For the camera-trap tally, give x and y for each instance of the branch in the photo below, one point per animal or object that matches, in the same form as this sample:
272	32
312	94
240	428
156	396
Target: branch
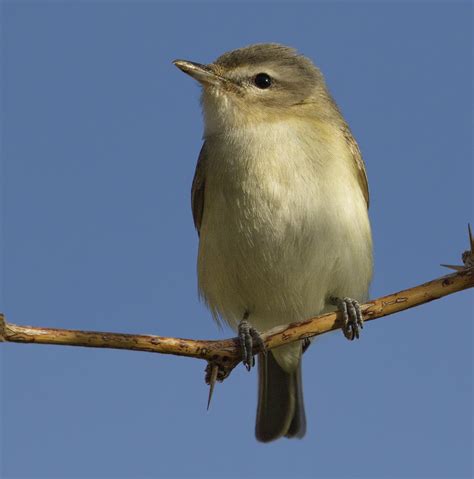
226	354
227	351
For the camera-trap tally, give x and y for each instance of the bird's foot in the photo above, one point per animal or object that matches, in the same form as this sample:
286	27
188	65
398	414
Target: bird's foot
353	322
249	337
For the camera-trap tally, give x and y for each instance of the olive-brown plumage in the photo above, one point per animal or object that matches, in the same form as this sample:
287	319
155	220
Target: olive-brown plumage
280	200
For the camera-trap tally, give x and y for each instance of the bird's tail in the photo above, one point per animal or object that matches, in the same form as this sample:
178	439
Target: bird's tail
280	410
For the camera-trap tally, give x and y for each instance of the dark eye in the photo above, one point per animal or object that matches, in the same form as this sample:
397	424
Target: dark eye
262	81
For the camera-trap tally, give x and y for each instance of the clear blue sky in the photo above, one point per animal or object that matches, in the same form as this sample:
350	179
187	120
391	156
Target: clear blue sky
100	133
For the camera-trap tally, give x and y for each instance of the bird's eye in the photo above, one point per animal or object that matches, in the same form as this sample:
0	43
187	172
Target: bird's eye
262	81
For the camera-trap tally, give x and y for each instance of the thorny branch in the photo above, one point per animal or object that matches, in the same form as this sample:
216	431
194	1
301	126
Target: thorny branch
224	355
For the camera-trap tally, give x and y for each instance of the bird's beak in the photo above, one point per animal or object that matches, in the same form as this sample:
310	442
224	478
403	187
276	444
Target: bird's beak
202	73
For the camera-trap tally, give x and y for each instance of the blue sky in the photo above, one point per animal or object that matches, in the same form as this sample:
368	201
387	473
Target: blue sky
100	133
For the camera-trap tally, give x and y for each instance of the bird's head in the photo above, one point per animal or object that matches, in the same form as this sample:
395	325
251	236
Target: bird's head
262	82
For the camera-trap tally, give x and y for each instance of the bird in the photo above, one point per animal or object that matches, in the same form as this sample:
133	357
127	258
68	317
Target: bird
280	202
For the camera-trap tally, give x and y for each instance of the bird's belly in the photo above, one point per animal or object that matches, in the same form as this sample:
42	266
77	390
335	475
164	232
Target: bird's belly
279	257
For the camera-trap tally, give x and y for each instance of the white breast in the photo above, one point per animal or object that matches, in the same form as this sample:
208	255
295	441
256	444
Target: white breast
285	225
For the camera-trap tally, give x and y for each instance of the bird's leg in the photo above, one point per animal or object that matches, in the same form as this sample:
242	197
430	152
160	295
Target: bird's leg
351	316
249	337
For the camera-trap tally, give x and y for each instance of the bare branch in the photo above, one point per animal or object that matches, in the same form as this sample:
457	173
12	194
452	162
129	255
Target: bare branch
226	353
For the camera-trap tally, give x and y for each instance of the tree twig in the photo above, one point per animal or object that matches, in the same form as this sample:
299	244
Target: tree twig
222	356
226	353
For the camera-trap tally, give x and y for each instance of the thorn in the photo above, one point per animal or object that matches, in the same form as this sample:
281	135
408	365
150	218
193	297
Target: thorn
453	266
467	256
212	382
471	239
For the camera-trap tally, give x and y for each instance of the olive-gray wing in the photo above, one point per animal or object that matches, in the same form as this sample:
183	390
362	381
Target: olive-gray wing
197	189
358	162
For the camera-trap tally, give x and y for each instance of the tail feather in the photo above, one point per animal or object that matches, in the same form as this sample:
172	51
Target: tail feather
280	409
298	424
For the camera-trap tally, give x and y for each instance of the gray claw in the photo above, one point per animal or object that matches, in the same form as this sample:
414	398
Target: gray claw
353	322
248	337
258	341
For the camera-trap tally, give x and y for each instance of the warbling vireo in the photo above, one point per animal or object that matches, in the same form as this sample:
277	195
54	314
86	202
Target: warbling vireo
279	200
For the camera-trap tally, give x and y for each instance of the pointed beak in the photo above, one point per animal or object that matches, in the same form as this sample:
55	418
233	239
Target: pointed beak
202	73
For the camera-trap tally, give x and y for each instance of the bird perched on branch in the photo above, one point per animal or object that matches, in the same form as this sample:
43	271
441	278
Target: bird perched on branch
280	201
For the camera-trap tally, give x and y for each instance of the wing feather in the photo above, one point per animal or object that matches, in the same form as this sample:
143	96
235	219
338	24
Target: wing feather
359	165
197	189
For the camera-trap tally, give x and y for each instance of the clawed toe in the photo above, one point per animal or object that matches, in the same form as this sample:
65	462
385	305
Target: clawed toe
249	337
353	322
